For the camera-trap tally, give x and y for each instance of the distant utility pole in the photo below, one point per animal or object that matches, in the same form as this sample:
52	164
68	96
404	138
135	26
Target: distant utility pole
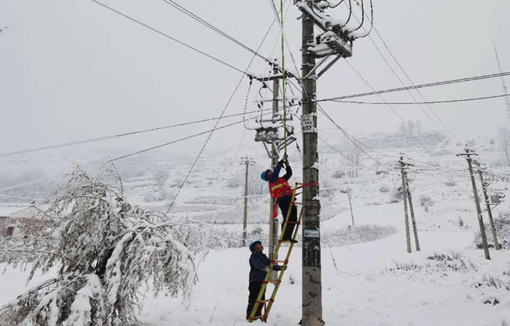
469	159
413	220
488	205
247	162
349	195
403	167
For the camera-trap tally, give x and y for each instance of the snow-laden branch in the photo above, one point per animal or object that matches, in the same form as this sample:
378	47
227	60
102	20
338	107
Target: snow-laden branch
105	249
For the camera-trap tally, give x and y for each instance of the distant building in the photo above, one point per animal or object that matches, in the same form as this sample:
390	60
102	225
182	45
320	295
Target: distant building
14	219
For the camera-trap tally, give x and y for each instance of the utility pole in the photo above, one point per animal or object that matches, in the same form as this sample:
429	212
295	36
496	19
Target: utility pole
247	162
413	220
489	209
349	195
404	197
273	222
469	160
312	277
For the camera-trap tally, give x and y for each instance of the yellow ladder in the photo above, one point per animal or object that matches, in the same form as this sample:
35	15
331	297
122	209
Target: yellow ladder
285	262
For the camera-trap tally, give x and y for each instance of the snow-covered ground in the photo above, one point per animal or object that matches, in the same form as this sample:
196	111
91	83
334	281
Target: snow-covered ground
368	279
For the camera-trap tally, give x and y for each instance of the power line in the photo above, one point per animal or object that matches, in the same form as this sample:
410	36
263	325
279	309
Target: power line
179	140
411	81
428	102
398	77
36	181
320	109
434	84
170	37
370	86
125	134
217	30
223	112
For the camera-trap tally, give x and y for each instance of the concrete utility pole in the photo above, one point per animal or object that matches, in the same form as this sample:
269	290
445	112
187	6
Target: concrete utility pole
273	222
312	278
413	220
247	162
404	197
489	210
349	195
469	159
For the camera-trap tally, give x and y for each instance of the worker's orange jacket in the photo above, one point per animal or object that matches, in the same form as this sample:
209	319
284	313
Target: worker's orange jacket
279	189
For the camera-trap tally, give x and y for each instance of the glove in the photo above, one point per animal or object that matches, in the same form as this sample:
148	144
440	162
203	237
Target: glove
279	268
267	269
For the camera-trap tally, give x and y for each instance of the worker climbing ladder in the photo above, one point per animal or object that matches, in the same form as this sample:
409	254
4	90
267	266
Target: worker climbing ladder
285	262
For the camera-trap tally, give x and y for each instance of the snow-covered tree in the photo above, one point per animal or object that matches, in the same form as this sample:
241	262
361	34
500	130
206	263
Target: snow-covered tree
104	250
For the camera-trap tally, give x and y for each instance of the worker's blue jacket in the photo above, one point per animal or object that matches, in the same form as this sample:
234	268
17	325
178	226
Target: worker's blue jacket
276	173
258	264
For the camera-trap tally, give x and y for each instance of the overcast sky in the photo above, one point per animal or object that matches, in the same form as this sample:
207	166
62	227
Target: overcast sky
72	70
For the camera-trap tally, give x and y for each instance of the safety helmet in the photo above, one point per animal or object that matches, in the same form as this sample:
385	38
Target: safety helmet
263	175
253	244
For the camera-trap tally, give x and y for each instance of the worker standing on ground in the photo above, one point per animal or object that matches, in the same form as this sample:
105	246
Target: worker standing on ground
259	266
281	192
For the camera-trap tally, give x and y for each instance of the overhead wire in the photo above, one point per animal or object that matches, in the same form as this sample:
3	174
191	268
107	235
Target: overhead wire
208	235
36	181
350	14
92	140
170	37
397	76
470	99
420	86
284	84
223	112
373	89
179	140
217	30
371	20
362	19
411	81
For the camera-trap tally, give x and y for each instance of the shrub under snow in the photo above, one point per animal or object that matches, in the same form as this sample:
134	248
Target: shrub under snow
105	250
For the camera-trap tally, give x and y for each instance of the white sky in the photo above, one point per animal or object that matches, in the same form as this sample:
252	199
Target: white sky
72	70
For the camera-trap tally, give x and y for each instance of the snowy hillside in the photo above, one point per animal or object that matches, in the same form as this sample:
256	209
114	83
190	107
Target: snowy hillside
368	277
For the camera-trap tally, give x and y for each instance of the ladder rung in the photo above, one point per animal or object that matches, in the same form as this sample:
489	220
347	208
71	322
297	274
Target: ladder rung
279	261
271	281
264	301
286	241
292	222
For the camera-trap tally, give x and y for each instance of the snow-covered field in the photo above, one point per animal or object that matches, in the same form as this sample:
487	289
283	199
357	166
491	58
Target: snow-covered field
368	276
